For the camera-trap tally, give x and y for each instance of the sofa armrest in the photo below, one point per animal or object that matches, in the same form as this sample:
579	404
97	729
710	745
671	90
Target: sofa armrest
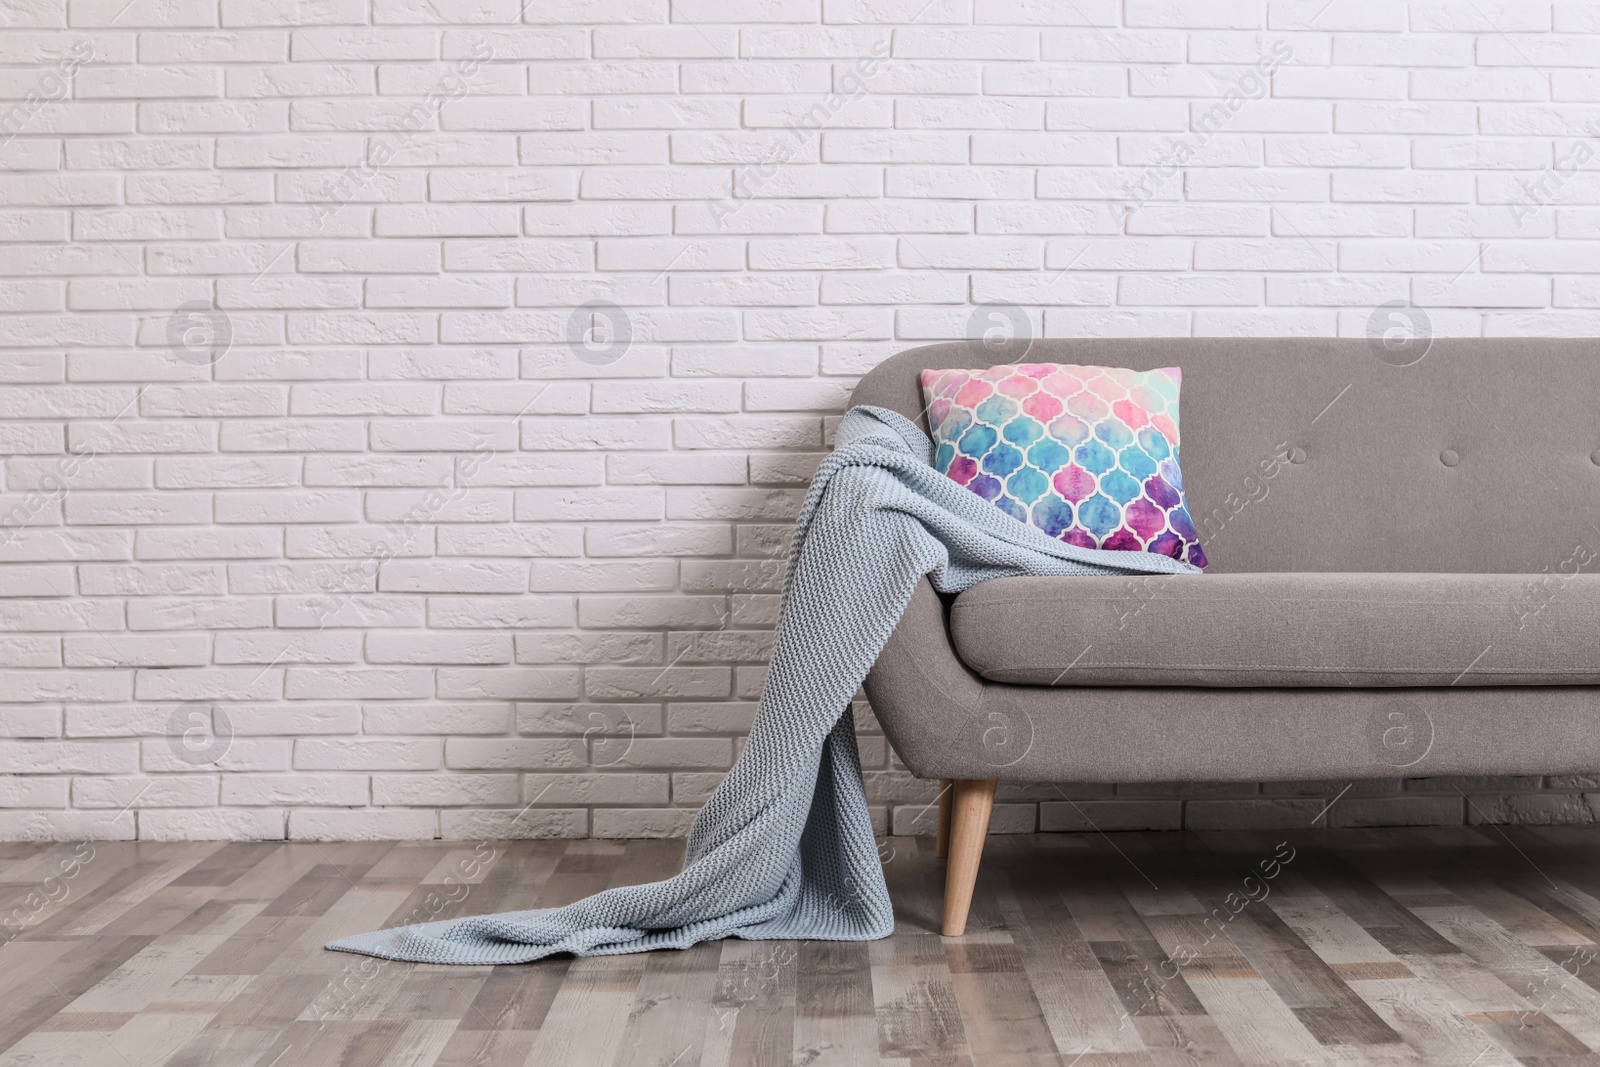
934	710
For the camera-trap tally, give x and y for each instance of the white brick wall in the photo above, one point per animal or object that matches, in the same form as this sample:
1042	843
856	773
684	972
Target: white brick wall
314	523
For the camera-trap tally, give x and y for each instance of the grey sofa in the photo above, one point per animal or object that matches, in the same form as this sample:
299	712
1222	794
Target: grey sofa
1401	584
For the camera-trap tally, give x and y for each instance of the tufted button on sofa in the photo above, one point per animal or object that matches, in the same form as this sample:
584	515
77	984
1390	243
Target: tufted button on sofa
1404	578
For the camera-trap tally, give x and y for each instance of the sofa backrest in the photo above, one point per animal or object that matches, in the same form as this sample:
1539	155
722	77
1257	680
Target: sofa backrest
1321	454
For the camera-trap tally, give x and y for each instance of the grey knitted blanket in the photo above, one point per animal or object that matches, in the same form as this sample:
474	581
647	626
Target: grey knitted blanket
784	848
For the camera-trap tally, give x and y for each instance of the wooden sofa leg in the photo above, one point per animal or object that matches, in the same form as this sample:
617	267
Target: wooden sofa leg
972	801
941	842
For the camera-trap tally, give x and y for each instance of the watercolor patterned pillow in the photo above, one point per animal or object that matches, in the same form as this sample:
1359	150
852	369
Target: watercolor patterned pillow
1087	454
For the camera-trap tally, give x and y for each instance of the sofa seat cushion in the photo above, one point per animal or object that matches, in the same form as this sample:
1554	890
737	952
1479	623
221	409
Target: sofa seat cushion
1283	629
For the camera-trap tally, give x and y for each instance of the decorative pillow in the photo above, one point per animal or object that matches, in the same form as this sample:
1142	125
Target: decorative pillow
1087	454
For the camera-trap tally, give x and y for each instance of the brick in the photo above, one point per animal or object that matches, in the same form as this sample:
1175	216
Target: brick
319	683
539	683
289	790
1117	115
521	541
371	754
39	792
1535	809
1042	148
1495	18
1225	14
1407	255
513	824
814	42
1395	118
607	788
1321	150
1412	187
1253	814
223	824
671	682
1221	220
311	824
1481	290
1396	811
68	757
67	826
1496	221
516	754
116	650
378	718
438	648
488	612
641	822
650	113
445	790
618	648
297	719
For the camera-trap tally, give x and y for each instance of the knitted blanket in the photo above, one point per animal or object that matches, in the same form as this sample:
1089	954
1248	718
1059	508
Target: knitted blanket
784	848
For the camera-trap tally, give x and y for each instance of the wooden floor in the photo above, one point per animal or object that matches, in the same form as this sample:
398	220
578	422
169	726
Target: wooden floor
1468	947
